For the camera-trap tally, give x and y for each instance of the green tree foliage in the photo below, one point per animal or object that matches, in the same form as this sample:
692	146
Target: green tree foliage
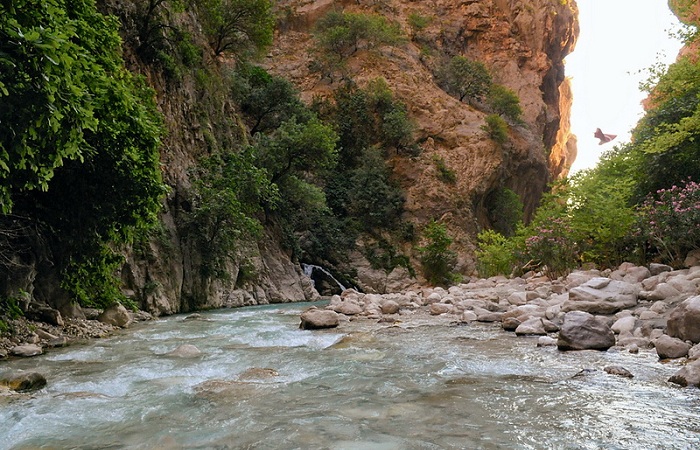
227	196
45	114
268	100
369	117
241	27
495	254
343	34
465	79
504	102
437	259
418	22
339	35
298	148
444	173
80	139
504	210
496	127
375	200
665	140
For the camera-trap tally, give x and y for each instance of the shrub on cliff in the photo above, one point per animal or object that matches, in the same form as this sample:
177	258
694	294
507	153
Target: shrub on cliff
505	102
464	79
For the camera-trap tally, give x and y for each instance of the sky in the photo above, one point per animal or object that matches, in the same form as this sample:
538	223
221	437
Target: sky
618	39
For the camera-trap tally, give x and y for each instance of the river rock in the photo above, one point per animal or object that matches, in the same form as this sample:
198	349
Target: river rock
440	308
624	324
468	316
258	373
46	315
602	296
655	268
670	347
546	341
115	315
619	371
694	352
389	307
24	382
661	291
349	308
185	351
26	350
689	375
583	331
534	326
314	319
510	323
684	321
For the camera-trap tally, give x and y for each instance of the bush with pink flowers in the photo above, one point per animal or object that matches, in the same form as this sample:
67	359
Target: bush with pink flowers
669	222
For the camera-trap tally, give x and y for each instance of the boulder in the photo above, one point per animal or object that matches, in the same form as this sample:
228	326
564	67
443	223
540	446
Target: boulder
684	321
115	315
258	374
583	331
314	319
661	291
670	347
26	350
689	375
510	323
624	324
439	308
619	371
185	351
24	382
468	316
655	268
546	341
46	315
602	296
349	308
390	307
534	326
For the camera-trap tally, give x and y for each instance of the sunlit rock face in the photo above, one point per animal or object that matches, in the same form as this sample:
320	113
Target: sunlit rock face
523	44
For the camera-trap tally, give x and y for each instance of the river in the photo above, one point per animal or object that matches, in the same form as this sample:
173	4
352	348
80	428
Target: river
417	384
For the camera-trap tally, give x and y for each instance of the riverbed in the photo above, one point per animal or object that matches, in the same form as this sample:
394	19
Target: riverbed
262	383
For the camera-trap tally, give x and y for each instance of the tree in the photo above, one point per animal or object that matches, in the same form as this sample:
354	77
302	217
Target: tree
240	26
269	101
80	138
228	193
465	79
436	257
298	147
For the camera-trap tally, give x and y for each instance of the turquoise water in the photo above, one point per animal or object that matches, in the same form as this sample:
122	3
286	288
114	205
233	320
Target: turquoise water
363	386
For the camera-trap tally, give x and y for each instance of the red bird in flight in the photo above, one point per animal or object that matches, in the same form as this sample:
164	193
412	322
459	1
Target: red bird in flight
604	138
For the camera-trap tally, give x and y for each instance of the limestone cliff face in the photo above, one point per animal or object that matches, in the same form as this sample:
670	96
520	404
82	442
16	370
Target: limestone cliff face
523	43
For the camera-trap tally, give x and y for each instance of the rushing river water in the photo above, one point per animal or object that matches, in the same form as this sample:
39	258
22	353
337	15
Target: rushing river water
376	387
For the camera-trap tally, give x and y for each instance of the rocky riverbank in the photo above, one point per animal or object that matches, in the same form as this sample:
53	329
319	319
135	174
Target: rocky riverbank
637	308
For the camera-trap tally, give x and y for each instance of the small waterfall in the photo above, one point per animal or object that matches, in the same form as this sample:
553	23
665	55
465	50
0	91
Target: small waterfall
309	270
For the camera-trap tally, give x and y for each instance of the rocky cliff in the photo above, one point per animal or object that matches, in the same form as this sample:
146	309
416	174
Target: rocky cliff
523	44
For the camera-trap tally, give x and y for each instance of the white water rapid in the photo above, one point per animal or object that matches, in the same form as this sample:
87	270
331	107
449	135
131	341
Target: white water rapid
362	386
